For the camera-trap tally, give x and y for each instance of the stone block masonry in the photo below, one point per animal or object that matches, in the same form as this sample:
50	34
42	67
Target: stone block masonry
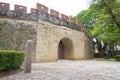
46	30
14	33
48	38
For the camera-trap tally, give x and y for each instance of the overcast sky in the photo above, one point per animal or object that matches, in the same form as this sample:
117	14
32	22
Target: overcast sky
68	7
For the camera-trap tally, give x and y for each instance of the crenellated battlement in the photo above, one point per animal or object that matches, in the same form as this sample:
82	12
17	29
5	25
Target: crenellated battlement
40	13
42	7
4	5
20	8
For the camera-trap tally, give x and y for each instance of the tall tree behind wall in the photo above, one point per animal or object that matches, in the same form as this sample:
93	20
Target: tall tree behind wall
102	21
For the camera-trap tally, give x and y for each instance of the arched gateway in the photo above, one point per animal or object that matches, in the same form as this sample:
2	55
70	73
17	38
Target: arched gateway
65	49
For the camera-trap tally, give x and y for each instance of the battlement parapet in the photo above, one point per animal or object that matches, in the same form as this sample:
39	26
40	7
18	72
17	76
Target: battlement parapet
40	13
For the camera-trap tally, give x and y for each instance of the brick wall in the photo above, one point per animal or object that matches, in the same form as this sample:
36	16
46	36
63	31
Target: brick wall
64	17
33	10
4	6
72	20
20	8
54	13
42	7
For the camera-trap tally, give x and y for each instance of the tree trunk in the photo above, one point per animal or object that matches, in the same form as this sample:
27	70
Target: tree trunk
112	50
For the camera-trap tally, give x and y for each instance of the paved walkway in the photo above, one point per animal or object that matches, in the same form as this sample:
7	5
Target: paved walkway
71	70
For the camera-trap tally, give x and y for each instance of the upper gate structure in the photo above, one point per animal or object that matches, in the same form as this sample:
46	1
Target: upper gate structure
55	35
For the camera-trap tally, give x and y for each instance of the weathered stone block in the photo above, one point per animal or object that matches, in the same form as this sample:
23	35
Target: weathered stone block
3	12
32	17
55	20
42	15
65	23
20	15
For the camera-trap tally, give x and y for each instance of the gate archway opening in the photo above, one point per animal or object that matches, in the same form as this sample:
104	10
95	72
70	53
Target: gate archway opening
65	49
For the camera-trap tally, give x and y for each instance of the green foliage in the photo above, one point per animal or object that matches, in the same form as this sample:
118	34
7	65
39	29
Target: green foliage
10	59
85	17
106	26
117	58
102	20
109	35
107	11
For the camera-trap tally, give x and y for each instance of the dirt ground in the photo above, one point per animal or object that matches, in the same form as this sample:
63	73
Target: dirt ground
70	70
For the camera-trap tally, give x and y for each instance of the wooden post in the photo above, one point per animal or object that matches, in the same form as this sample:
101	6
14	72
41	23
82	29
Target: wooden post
28	56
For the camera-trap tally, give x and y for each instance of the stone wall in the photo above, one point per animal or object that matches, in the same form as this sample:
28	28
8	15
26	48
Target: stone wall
14	33
88	48
45	29
48	38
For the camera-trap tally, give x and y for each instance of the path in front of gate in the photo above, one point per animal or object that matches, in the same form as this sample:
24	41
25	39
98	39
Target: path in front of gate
71	70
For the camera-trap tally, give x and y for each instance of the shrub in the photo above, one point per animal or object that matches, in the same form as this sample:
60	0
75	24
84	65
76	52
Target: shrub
11	59
117	57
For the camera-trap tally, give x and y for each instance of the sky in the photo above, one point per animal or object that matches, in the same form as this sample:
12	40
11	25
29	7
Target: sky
67	7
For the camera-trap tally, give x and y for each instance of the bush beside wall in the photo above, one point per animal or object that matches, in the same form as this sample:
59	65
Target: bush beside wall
117	58
11	59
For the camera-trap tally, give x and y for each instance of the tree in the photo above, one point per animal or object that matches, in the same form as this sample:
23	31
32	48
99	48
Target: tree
109	7
107	26
103	16
85	17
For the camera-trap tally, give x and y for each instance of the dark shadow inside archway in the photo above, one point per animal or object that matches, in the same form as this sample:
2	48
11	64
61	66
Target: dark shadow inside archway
65	49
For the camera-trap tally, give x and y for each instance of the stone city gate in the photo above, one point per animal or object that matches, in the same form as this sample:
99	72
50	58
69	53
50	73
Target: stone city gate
65	49
55	35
